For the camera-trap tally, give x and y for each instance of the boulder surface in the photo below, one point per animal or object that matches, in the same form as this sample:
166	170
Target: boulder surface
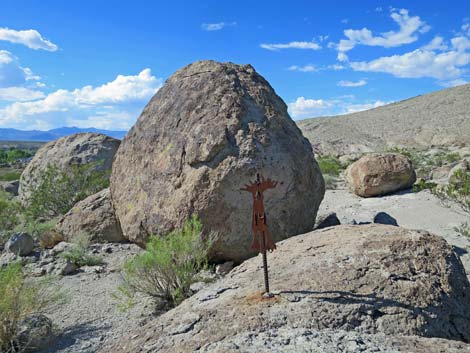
93	218
68	151
370	279
380	174
204	135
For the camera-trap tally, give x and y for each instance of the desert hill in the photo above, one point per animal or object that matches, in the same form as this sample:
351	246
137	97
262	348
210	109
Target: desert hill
440	118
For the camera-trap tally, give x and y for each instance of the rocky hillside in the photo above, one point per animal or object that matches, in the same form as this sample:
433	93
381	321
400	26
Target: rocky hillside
438	118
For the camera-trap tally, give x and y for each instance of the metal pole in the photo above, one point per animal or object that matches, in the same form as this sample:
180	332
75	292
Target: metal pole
265	263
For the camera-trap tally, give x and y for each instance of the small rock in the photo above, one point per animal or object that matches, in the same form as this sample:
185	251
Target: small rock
224	268
7	258
197	286
92	269
61	247
385	218
327	220
65	267
35	332
10	187
21	244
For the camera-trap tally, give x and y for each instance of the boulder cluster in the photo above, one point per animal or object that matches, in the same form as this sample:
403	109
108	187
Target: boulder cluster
349	285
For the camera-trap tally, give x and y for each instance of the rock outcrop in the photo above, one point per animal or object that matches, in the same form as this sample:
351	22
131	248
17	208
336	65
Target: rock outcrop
370	279
205	134
93	218
439	118
77	149
380	174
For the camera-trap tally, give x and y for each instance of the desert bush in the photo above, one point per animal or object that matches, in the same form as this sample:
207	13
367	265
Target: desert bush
37	228
79	254
168	266
459	188
58	191
329	165
423	184
9	214
19	298
10	175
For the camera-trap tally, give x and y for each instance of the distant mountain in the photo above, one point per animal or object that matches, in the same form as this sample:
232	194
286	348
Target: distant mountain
44	136
440	118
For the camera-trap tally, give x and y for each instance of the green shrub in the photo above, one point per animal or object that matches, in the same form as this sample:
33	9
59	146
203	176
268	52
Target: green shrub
20	297
422	184
168	266
37	228
12	155
463	229
459	188
329	165
10	175
9	214
58	192
79	254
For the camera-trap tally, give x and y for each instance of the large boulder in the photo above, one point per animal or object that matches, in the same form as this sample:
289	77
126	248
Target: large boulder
66	152
205	134
370	279
380	174
93	218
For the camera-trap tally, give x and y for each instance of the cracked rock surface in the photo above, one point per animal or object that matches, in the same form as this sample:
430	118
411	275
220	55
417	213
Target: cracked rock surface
199	140
360	288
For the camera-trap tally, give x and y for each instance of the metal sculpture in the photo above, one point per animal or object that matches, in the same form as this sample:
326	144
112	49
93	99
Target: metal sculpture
261	241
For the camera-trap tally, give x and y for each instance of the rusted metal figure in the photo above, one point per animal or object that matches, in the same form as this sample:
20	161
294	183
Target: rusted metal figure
261	239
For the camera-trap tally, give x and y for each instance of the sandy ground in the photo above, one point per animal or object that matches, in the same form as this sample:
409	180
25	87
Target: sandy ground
420	210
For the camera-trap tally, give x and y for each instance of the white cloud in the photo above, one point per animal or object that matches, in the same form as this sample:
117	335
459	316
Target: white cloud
113	105
303	107
306	68
336	67
409	27
217	26
353	108
30	38
437	43
419	63
12	73
460	43
352	83
309	108
453	83
19	94
291	45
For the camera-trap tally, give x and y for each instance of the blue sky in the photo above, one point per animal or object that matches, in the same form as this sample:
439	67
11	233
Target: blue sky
93	64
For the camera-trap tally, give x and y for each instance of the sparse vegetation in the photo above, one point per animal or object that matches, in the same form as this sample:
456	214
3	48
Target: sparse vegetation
463	230
423	184
59	191
79	254
12	155
10	175
459	188
329	165
20	297
168	266
9	214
